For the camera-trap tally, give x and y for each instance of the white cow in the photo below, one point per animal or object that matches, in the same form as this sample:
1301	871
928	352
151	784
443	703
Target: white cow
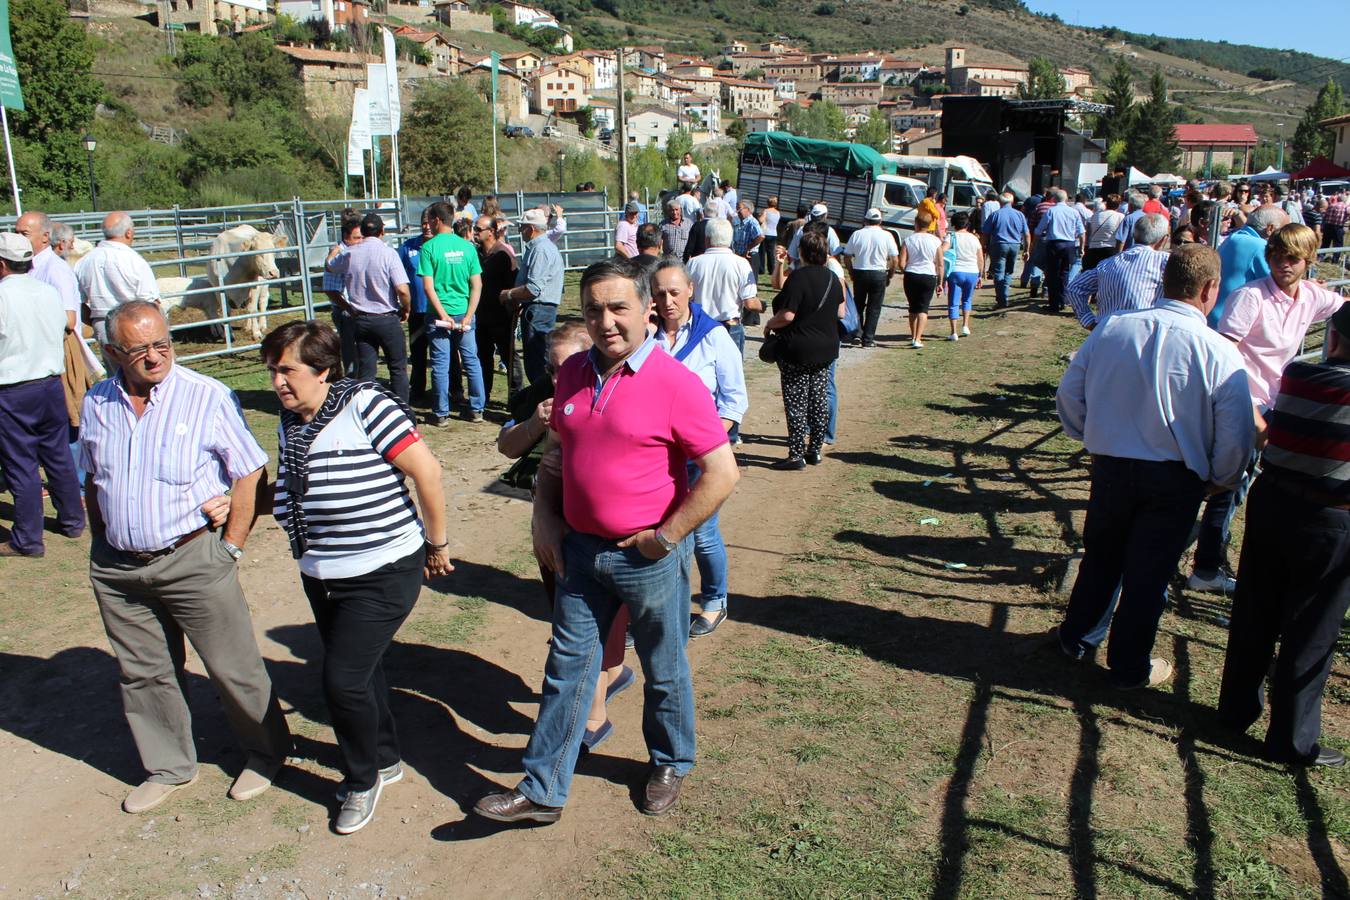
171	288
237	276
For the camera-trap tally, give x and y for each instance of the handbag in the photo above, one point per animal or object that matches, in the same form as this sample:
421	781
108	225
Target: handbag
849	325
772	348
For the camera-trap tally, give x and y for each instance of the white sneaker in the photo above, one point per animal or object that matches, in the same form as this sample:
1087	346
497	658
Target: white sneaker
965	332
1219	584
915	345
388	775
952	337
357	810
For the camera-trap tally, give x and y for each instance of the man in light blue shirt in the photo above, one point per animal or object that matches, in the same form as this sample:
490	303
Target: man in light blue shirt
538	291
1129	280
1005	232
1162	404
1064	235
1125	233
1243	255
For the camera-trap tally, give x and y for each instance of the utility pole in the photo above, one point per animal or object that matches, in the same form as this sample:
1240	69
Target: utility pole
622	130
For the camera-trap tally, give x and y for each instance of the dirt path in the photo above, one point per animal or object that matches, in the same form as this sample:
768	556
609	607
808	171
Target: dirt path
465	671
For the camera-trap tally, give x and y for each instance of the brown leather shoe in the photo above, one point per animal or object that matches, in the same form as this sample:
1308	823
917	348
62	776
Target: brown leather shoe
662	792
513	806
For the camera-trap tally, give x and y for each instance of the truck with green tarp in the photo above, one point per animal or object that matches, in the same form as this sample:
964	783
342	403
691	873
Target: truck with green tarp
848	178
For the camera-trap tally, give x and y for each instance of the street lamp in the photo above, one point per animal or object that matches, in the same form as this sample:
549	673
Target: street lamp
561	157
89	145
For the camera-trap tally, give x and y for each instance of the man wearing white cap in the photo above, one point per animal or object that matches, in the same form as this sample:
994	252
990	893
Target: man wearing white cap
34	427
819	213
538	291
625	230
871	257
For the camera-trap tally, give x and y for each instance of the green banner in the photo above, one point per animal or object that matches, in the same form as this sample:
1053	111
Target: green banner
496	61
10	95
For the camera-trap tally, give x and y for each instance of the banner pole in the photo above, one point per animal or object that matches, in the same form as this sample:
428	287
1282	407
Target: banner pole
9	157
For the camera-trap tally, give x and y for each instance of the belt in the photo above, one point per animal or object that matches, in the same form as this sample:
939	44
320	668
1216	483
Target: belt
369	315
146	557
19	384
1306	494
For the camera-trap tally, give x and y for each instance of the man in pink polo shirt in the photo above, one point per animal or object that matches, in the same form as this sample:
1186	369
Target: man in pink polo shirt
615	527
1267	319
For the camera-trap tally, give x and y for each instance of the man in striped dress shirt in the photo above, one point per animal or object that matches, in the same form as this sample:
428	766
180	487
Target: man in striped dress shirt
1129	280
1295	584
158	441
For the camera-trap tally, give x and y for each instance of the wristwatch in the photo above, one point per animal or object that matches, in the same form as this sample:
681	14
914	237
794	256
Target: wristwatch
666	544
231	549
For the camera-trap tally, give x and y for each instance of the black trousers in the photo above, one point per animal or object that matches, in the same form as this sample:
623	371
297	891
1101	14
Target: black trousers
382	334
357	619
494	337
417	354
871	292
1059	259
1294	588
1095	256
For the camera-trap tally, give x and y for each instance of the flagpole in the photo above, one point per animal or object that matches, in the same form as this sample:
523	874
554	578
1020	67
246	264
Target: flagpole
494	57
9	157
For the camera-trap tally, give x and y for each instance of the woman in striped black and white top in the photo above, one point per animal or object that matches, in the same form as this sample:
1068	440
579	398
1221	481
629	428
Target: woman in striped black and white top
346	449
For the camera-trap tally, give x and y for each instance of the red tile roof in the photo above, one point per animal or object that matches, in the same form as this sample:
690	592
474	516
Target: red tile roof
1214	134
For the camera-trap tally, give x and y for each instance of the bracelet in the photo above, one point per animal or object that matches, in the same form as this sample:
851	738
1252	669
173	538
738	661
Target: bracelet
431	546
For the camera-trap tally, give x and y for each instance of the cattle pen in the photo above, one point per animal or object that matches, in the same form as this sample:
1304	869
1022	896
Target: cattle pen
177	243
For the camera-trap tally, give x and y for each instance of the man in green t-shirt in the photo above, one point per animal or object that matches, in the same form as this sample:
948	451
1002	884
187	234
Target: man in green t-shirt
452	276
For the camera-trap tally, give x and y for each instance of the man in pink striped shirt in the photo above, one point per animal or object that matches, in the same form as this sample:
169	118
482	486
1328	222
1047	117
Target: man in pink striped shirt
157	442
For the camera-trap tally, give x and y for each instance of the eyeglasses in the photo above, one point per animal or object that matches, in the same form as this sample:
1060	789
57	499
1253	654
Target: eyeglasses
142	351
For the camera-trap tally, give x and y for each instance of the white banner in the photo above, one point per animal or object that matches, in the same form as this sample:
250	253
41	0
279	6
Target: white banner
377	96
391	68
356	157
360	128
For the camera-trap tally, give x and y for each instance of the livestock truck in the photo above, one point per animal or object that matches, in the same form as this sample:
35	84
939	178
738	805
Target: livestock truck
847	178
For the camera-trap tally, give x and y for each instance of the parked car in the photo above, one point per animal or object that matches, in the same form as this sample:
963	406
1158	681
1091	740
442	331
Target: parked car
519	131
606	135
551	131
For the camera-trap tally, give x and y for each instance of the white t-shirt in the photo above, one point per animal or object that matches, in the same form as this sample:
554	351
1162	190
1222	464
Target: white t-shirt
967	251
32	330
1102	228
687	173
923	250
722	281
870	247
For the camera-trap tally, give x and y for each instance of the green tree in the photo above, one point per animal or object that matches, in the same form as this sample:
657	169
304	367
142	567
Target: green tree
1152	144
875	132
1118	93
678	143
1043	80
232	144
823	120
585	119
736	130
54	58
1310	138
446	139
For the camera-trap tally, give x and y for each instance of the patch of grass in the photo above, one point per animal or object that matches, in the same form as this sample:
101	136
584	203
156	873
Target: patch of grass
449	624
279	856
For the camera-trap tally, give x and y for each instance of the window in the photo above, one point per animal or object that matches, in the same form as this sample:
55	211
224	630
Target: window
901	195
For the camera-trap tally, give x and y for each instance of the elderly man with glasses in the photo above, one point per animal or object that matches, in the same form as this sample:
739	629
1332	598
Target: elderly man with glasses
159	442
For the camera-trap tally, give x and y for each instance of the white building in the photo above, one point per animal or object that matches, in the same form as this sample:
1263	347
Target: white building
650	126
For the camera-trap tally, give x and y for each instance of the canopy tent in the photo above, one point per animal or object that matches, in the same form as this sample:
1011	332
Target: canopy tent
1134	176
1321	167
1166	178
1269	174
840	157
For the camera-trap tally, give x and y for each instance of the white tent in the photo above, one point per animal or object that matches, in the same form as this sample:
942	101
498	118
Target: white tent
1268	174
1167	178
1136	177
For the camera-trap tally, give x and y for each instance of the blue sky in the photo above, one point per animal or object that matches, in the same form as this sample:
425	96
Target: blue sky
1313	29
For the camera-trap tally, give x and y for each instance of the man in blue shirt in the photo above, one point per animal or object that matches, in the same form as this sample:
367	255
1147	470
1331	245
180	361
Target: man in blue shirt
538	291
1005	234
1031	273
1162	404
408	253
746	235
1062	231
1125	233
1243	255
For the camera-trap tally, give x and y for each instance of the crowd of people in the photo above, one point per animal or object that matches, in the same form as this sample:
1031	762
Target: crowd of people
1185	394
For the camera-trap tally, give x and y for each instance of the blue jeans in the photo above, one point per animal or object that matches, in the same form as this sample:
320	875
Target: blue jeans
960	292
1005	263
536	321
737	333
443	344
710	554
1216	523
833	396
599	577
1139	517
